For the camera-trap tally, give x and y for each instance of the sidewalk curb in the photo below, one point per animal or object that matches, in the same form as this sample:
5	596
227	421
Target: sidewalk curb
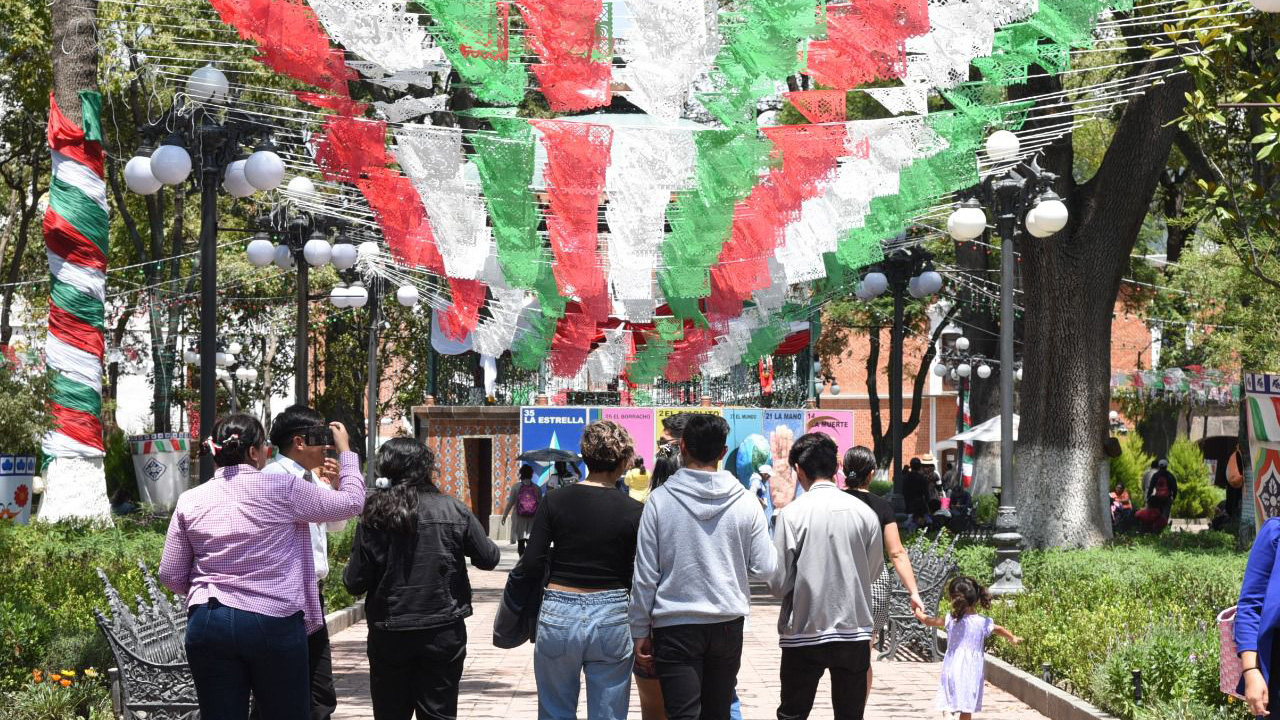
340	620
1048	700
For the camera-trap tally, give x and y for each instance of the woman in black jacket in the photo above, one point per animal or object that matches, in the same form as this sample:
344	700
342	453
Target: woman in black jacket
408	555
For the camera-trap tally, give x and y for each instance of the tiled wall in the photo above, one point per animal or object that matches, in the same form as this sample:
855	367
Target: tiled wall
443	429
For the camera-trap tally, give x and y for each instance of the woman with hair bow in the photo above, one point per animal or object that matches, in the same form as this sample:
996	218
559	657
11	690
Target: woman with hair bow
409	556
239	549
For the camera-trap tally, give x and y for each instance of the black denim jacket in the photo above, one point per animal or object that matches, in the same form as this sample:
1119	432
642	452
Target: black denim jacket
418	581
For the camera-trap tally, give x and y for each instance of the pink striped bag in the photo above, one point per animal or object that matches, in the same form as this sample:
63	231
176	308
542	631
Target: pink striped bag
1229	668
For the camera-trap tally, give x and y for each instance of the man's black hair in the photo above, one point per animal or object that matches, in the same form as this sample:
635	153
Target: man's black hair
293	421
915	463
704	436
815	453
675	424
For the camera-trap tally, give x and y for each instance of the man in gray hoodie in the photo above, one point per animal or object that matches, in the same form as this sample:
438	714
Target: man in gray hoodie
829	552
701	535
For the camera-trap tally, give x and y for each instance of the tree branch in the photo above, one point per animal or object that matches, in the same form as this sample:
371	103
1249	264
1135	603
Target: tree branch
922	372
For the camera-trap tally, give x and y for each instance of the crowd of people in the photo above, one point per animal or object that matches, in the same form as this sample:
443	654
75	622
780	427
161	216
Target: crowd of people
625	575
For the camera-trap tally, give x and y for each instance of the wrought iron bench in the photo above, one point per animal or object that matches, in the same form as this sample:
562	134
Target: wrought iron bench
933	562
154	678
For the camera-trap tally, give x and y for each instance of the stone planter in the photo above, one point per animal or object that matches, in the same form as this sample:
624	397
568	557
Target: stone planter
162	464
16	472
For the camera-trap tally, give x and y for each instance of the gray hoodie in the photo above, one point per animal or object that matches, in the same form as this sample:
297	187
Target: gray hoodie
700	536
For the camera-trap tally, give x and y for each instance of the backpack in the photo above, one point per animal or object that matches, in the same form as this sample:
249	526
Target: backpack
1162	487
527	501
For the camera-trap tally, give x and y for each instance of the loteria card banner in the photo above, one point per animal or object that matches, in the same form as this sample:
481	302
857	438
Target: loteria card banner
662	413
747	446
838	424
638	421
551	427
781	428
1262	392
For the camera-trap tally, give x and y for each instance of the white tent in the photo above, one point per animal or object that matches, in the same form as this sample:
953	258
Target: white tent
988	431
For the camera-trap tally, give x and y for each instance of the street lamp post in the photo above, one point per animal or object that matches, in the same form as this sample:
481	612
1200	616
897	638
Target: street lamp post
303	244
904	272
1022	199
198	120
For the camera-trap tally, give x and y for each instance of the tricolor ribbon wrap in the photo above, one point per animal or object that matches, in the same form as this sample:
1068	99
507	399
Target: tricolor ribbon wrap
75	234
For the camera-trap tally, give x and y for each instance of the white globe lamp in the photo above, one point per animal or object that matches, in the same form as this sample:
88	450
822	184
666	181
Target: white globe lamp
875	283
929	282
338	295
1035	227
283	257
300	186
138	177
171	164
245	374
234	181
913	288
1002	146
964	370
407	295
261	250
343	256
368	249
962	343
968	221
1051	213
222	359
940	370
234	348
317	251
1017	374
860	291
190	357
835	388
208	84
984	371
357	295
1266	6
264	169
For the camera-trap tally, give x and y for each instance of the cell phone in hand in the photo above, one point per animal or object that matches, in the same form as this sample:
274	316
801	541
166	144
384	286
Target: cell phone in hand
322	435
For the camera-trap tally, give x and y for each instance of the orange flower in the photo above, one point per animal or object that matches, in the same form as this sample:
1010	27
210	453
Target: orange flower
55	677
37	676
64	682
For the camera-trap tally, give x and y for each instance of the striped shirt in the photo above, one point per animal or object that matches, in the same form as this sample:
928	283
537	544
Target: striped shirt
242	538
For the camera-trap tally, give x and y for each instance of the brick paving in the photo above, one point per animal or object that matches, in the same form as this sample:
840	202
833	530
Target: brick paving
499	685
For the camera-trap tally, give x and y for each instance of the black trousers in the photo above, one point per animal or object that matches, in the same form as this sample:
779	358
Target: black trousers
803	667
416	670
324	696
698	668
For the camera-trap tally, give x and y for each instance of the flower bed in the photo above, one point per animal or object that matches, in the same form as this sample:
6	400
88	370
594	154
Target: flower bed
1146	604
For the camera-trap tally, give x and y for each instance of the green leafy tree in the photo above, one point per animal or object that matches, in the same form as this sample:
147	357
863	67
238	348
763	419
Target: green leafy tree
1129	467
1197	495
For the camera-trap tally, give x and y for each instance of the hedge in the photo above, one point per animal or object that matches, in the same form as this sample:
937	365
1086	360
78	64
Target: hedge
1147	603
51	589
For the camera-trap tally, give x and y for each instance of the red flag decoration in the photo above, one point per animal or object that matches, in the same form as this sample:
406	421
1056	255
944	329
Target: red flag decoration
766	375
866	42
687	353
575	59
291	40
809	154
572	342
399	211
819	106
350	146
577	157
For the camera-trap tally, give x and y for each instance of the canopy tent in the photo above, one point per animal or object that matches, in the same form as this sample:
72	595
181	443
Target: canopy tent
988	431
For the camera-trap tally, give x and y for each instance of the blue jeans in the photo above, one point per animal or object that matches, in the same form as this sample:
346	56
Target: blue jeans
233	652
583	632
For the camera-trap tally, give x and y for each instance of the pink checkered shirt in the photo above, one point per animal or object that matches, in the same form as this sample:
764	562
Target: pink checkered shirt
243	539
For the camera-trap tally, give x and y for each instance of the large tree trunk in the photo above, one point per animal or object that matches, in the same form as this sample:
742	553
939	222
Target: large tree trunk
1072	281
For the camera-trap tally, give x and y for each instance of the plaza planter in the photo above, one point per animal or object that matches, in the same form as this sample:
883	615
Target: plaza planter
162	465
16	473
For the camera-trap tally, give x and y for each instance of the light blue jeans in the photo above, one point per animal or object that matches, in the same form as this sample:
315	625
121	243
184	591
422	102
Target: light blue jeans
580	632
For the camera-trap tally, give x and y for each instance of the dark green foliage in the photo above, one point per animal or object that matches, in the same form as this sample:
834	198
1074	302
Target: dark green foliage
1197	495
24	414
984	508
1130	466
1094	615
118	466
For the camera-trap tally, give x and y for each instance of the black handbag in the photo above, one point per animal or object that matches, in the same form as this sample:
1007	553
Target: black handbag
516	621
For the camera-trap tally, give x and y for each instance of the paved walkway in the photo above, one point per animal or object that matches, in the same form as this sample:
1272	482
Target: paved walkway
498	684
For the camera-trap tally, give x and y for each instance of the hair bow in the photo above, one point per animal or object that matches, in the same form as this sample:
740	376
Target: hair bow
213	446
382	483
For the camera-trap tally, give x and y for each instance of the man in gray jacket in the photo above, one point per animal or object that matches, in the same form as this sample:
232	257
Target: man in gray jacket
688	607
829	552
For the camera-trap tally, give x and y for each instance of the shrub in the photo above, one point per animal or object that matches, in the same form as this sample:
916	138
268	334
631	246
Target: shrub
118	466
1197	495
24	409
984	508
1124	604
881	487
1159	709
1130	466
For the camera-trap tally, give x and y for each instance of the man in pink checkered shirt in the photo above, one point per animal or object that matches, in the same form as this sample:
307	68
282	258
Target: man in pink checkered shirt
239	548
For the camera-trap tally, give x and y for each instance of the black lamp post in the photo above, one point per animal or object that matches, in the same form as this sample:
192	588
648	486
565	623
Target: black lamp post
199	121
1023	199
904	272
303	243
